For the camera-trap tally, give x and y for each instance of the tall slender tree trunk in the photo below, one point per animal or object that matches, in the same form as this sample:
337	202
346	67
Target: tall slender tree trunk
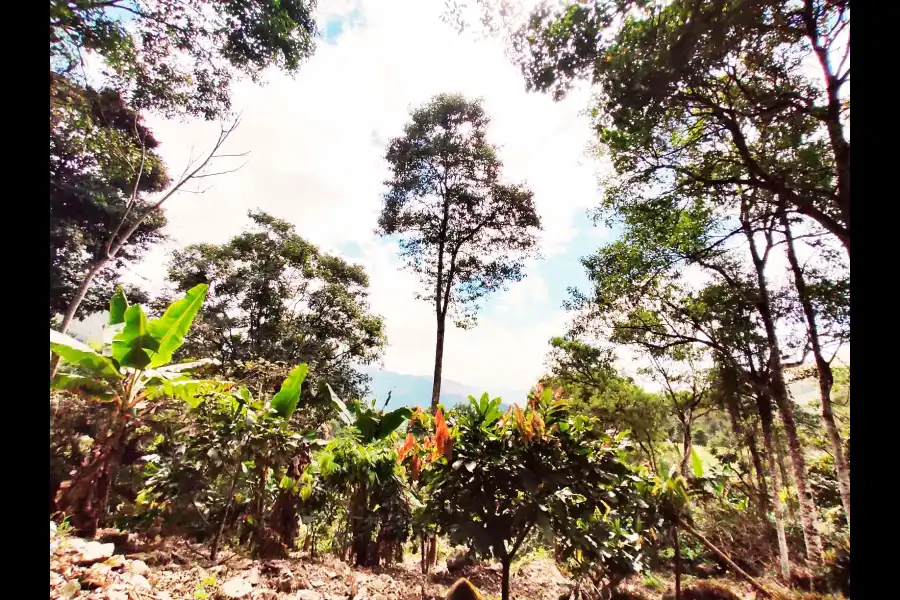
85	497
504	591
760	474
784	403
839	144
823	369
735	412
687	446
438	364
765	417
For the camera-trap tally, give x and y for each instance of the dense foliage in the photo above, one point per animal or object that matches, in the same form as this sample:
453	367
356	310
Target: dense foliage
276	298
691	417
112	61
500	476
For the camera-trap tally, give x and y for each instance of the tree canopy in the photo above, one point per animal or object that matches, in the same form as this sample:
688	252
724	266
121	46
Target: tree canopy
462	231
276	297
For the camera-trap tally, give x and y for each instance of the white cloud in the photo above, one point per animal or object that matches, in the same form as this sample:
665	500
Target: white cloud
316	144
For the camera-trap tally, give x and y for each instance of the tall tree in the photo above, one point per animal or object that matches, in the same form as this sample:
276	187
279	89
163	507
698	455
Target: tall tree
462	231
685	87
96	142
276	297
813	296
109	61
176	55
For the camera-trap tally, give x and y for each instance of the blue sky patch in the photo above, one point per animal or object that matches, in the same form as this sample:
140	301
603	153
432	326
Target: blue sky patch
335	25
351	250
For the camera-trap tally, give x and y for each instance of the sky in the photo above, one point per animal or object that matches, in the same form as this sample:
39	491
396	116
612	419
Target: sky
316	143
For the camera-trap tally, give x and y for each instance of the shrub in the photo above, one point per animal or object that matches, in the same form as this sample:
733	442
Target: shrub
497	477
132	378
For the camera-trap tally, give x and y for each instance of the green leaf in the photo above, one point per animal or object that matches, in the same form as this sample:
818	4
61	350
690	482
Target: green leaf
547	396
391	421
132	346
285	401
190	391
696	464
343	413
169	330
72	351
492	413
79	383
117	306
189	367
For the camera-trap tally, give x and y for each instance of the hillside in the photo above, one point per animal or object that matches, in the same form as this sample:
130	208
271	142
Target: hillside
415	390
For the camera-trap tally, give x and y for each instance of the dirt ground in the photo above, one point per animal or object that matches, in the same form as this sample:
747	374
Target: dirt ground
120	566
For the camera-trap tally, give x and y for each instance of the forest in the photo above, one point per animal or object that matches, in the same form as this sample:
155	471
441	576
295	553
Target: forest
219	439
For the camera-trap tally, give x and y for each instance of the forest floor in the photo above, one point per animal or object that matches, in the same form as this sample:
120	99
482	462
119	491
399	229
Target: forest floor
124	566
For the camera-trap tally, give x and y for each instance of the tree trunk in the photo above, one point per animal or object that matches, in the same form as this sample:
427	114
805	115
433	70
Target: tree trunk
361	528
284	518
214	551
736	414
760	475
677	562
687	445
438	364
765	418
424	561
86	495
432	551
825	375
839	145
783	401
504	590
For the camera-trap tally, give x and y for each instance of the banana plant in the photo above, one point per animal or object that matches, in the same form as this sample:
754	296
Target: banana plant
372	424
132	376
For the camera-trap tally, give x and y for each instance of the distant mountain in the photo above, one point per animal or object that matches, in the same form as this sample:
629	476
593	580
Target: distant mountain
415	390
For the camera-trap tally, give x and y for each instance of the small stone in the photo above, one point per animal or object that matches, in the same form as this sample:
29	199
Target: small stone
140	582
52	529
317	583
331	574
163	596
116	561
138	567
286	583
116	595
97	575
56	580
95	552
70	589
251	576
73	544
379	597
237	587
308	595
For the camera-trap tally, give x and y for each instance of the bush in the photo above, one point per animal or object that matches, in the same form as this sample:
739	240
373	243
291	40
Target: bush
502	476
